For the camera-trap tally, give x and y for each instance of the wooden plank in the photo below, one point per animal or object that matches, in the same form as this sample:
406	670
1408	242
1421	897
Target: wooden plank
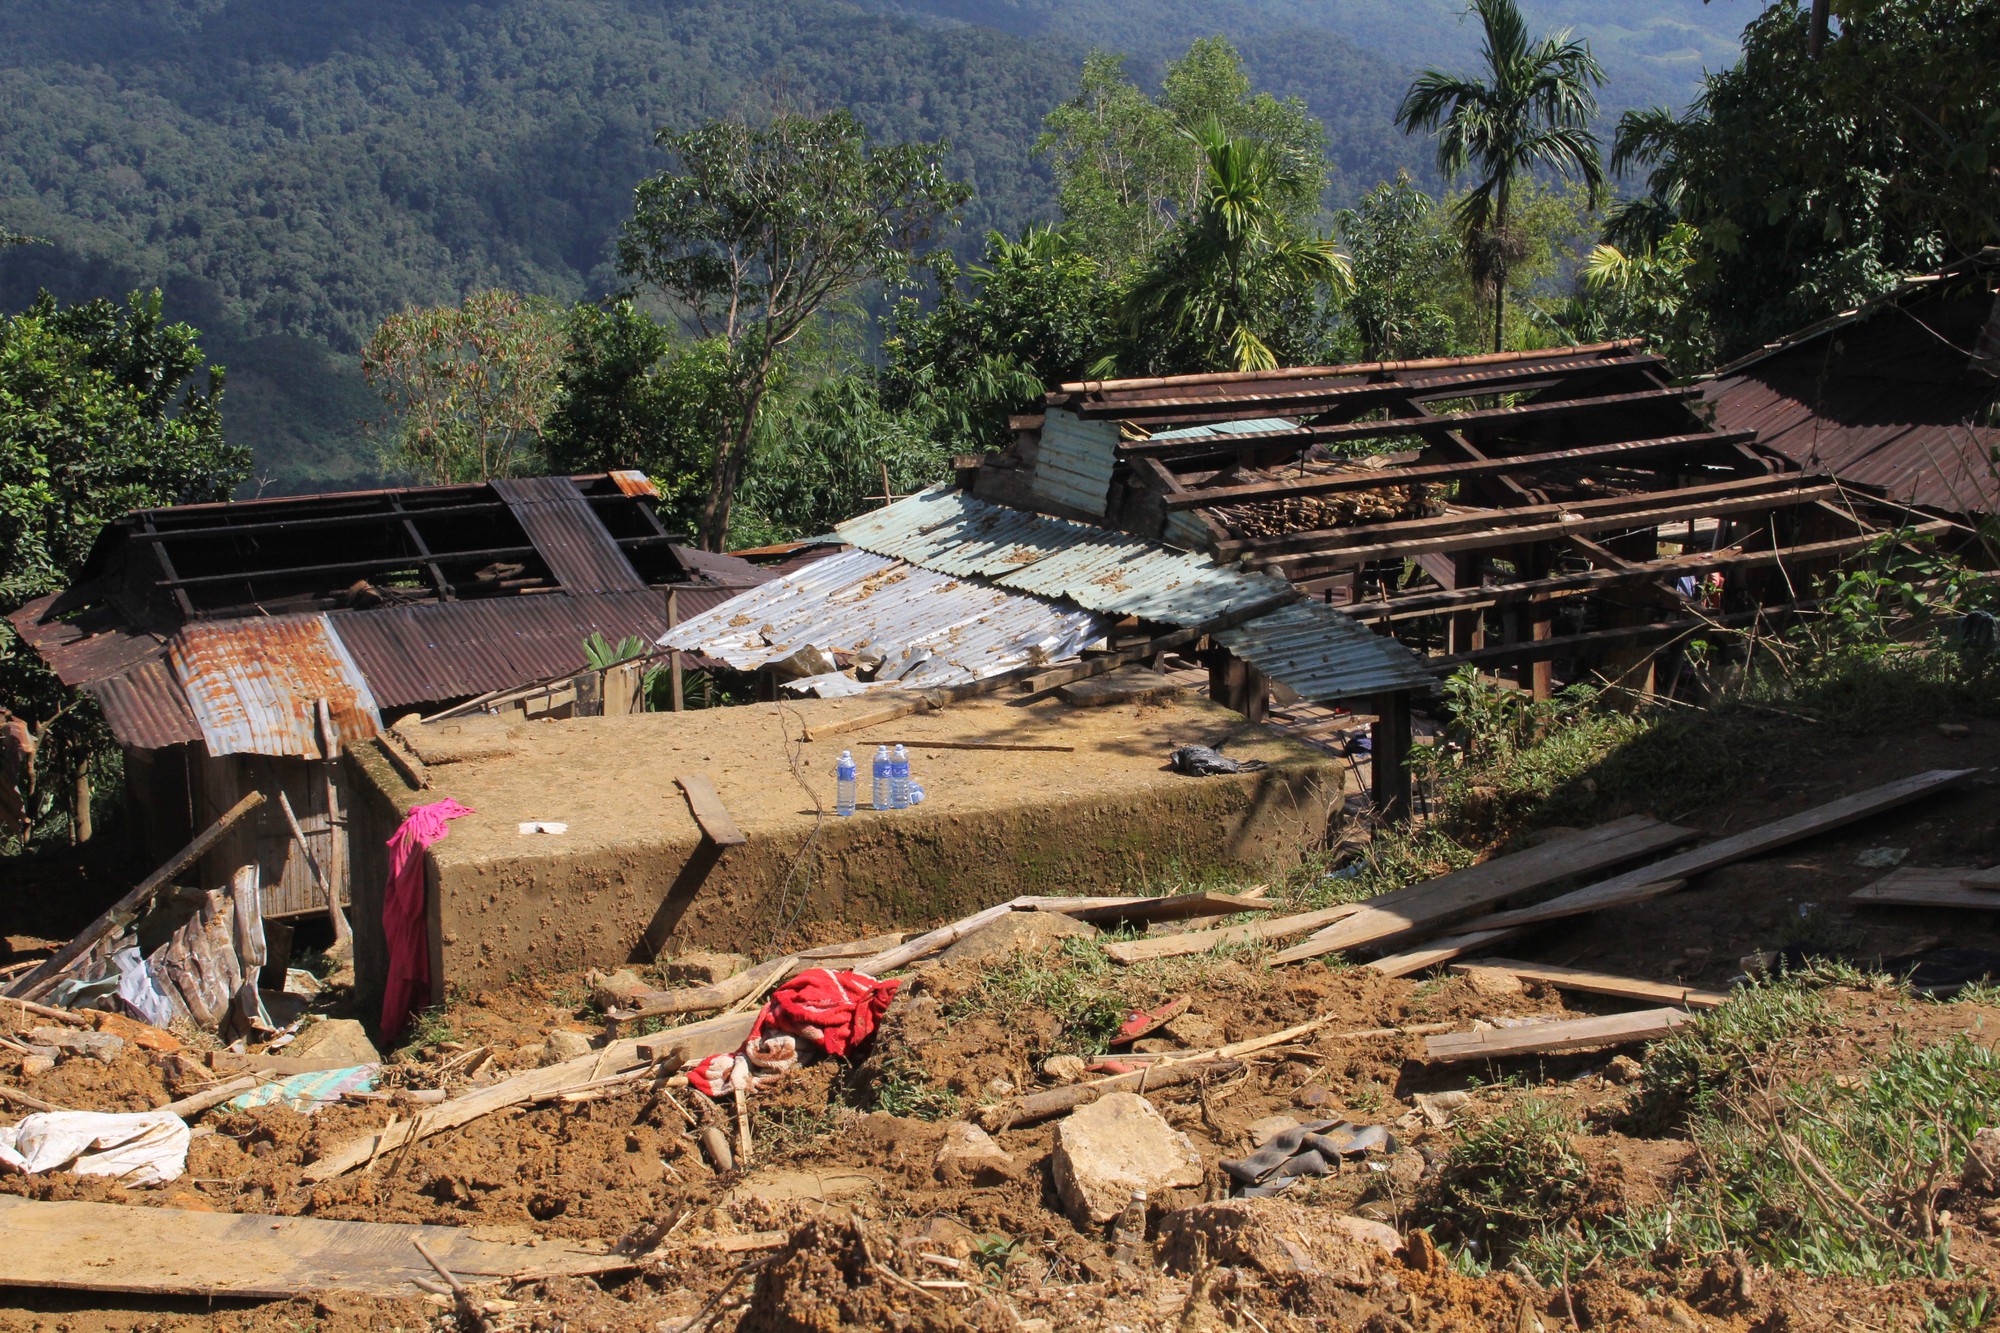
1662	877
127	909
1439	951
1569	1034
1601	983
1451	898
975	745
1201	941
1988	878
709	811
1177	907
722	1034
1366	479
172	1252
1919	886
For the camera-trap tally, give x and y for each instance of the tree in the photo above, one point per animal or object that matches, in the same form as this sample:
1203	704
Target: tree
1885	164
632	393
1533	108
103	410
1653	294
763	228
1215	287
1405	270
1040	311
469	384
1128	167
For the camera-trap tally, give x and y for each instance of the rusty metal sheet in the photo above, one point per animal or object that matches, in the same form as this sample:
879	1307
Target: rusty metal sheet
250	685
145	708
1324	655
87	646
568	535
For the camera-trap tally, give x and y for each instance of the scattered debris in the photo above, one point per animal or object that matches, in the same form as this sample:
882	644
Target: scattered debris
144	1148
1569	1034
1199	761
1114	1147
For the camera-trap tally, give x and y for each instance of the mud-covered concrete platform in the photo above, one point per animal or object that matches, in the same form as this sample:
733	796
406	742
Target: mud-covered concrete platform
629	875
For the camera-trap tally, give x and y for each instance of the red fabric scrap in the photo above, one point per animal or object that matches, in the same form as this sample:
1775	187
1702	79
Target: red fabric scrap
405	916
838	1010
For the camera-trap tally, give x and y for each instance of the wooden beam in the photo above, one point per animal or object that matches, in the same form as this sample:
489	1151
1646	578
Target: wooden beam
128	908
1600	983
709	811
1389	756
1919	886
1436	903
1652	881
1365	479
1309	571
1201	941
1439	951
1531	650
1569	1034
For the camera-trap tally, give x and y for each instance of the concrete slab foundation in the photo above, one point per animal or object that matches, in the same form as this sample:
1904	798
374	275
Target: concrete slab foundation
632	875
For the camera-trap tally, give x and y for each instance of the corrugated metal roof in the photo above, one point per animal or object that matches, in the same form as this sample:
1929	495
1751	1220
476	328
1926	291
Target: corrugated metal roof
1100	570
251	685
927	628
567	534
90	645
450	650
145	707
1253	426
1074	461
1324	655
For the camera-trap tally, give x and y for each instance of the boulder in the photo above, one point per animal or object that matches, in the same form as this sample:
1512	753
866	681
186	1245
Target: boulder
1114	1147
1015	933
341	1039
702	969
1275	1237
562	1045
969	1156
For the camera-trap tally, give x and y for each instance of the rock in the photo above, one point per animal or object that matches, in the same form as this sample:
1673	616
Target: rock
614	990
143	1035
1406	1170
1063	1068
1113	1147
562	1044
1314	1097
1438	1107
1492	983
1015	933
1263	1131
1365	1232
999	1087
1982	1163
969	1156
1624	1069
34	1066
102	1047
335	1039
702	969
1274	1237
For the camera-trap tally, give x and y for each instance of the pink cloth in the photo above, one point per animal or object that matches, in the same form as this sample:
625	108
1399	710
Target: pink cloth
405	920
838	1010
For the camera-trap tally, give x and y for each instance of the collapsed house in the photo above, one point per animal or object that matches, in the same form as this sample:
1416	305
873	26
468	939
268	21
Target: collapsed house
1900	393
243	646
1560	514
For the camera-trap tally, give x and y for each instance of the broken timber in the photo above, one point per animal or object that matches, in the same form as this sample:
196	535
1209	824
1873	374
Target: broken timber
1569	1034
169	1252
1914	886
709	811
1464	893
1201	941
1599	983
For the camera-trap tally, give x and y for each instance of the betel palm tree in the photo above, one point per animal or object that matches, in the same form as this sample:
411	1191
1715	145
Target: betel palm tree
1214	287
1533	107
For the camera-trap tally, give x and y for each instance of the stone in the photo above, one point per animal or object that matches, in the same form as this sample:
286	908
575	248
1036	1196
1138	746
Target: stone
1114	1147
1623	1069
702	969
969	1156
1063	1068
34	1066
614	990
1263	1131
1274	1237
341	1039
1406	1170
102	1047
143	1035
1982	1163
1360	1229
1492	983
1315	1097
1014	933
562	1044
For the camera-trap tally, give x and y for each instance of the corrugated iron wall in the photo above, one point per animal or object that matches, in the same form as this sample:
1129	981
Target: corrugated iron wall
1073	467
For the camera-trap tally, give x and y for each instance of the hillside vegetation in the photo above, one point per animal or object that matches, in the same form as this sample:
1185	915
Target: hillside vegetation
289	174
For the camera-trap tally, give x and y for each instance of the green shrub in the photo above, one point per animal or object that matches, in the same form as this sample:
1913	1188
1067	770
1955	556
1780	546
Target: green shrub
1510	1178
1717	1054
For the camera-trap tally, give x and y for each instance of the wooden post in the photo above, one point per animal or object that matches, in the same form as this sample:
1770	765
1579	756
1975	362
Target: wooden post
1234	683
1389	741
1541	622
673	655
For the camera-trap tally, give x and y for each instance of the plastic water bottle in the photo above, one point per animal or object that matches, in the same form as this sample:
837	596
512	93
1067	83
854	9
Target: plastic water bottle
843	785
916	790
882	762
899	780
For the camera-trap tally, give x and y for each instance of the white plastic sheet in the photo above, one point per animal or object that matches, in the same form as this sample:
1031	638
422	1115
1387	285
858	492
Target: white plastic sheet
142	1148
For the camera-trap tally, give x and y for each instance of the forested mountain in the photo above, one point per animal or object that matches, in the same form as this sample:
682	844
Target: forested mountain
290	172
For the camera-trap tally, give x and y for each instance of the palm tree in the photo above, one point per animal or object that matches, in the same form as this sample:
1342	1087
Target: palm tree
1232	261
1533	108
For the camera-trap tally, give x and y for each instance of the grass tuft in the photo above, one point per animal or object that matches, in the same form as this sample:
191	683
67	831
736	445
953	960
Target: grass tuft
1510	1178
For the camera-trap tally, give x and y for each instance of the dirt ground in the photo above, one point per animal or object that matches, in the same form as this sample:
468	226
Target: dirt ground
865	1221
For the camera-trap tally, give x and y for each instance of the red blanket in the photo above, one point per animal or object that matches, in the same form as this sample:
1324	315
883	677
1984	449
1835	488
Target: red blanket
838	1010
404	913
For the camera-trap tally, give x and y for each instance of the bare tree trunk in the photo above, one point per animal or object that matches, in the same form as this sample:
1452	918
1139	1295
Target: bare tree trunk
79	807
729	461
